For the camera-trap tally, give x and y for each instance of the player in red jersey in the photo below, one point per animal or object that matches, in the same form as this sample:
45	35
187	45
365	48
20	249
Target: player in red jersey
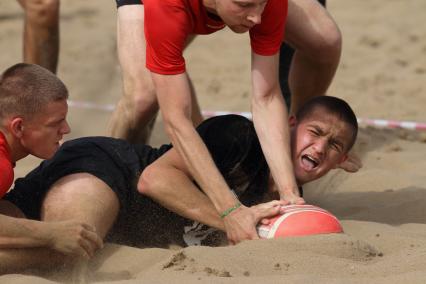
33	109
151	40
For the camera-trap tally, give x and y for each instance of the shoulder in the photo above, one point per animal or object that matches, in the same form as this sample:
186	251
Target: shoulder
221	122
6	174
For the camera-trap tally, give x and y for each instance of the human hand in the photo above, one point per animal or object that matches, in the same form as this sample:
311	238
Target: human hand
74	238
352	164
241	224
290	197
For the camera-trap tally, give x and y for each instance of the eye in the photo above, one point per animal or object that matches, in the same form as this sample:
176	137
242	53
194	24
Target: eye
314	132
243	4
336	146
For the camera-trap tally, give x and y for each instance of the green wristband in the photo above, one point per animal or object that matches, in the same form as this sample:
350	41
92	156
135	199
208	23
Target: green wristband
230	210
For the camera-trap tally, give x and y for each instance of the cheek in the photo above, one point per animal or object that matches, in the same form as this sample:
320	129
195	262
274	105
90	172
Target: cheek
303	142
333	159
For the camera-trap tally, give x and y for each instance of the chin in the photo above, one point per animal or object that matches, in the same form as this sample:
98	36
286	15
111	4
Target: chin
239	29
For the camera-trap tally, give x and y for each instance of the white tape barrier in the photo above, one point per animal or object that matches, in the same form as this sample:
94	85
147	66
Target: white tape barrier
365	121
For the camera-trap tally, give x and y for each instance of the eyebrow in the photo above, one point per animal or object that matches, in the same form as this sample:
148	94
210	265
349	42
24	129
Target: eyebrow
332	140
318	129
248	2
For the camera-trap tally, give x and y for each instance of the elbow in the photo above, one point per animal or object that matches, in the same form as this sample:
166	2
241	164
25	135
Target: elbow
147	181
45	13
266	97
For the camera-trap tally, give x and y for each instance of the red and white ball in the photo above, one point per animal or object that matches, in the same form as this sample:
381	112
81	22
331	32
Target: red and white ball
300	220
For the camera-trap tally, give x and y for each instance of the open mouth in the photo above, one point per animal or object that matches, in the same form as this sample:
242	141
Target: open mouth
309	162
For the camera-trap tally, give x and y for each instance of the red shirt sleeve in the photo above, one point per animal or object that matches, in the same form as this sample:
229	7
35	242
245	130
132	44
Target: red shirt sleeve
6	174
266	38
167	26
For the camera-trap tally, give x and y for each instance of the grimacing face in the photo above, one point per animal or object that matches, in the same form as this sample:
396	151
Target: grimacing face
43	132
240	15
319	143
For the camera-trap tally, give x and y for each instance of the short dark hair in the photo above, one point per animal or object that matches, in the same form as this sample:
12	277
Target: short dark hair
27	88
334	106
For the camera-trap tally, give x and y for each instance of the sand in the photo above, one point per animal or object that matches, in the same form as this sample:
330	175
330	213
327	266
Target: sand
382	75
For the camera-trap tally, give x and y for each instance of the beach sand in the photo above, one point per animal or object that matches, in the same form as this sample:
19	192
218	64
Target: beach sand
382	75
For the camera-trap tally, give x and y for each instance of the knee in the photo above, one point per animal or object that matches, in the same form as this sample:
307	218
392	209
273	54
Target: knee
43	12
331	41
328	45
140	96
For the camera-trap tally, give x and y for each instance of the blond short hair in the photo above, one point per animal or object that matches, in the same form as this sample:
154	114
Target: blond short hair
25	89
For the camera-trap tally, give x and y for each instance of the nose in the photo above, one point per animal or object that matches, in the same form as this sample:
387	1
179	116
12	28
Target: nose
255	18
320	146
255	15
65	129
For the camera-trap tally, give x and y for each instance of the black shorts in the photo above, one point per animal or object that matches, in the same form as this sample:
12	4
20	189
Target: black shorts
128	2
141	222
114	161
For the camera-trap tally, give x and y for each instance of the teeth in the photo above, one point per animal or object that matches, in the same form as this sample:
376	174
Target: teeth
309	161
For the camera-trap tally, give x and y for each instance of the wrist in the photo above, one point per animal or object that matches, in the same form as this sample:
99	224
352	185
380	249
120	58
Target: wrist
46	236
226	202
230	210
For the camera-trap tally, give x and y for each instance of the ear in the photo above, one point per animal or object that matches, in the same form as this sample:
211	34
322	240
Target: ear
342	160
292	121
16	127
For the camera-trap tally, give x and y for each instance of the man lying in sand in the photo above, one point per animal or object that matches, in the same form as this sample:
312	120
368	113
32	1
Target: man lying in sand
98	181
33	109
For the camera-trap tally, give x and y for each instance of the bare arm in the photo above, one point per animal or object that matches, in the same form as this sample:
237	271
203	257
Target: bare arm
179	194
68	237
270	119
174	97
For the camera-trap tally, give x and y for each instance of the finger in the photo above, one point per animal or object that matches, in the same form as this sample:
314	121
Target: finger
300	201
88	247
269	212
94	239
89	227
254	235
356	160
79	251
230	240
265	221
83	253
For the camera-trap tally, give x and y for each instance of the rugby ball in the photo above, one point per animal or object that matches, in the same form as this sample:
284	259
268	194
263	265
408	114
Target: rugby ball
300	220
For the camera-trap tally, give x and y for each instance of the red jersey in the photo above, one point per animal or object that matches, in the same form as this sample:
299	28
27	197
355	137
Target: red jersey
169	22
6	166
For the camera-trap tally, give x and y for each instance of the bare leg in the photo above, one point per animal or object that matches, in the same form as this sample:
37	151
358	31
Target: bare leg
312	32
80	197
136	111
41	32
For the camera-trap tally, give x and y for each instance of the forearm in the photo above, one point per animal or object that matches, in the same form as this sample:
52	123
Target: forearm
270	120
22	233
201	167
174	97
179	194
270	117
